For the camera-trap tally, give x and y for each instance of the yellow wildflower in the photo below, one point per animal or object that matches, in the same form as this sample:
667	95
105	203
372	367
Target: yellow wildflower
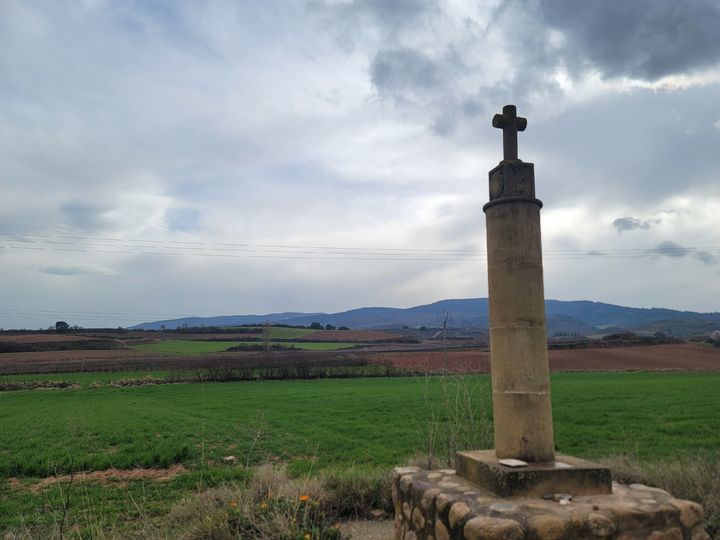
304	498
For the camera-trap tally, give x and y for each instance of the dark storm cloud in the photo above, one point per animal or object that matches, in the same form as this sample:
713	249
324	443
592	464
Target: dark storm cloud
644	39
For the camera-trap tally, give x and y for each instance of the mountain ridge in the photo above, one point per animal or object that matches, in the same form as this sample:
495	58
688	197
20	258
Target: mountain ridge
563	316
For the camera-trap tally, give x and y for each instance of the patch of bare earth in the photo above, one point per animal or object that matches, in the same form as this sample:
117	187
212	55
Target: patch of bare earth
369	530
107	476
676	357
41	338
350	335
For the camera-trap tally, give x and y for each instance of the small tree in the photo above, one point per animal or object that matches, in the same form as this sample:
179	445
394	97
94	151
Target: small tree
316	326
329	326
61	326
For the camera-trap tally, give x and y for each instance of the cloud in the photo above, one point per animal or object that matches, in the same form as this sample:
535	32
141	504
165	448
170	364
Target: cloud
452	65
75	270
403	72
84	216
631	223
642	39
674	250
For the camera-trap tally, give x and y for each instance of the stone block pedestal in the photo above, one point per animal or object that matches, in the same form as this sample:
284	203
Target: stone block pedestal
440	505
566	474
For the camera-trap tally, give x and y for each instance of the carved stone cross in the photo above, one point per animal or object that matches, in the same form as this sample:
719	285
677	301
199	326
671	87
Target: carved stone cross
510	123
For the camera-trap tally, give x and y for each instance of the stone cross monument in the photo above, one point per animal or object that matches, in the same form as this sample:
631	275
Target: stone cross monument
524	461
523	490
518	342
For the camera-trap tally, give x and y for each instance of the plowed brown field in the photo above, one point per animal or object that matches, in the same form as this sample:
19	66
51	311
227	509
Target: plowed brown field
681	357
41	338
364	336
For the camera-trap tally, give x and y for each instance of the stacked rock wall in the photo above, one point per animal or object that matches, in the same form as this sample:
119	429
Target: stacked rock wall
438	505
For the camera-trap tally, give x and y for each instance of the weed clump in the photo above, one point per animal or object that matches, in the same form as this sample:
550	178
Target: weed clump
270	506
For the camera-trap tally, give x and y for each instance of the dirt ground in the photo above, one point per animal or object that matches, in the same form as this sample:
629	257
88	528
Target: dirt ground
109	475
41	338
364	336
368	530
676	357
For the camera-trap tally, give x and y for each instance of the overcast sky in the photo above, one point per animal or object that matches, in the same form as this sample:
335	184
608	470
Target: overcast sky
167	158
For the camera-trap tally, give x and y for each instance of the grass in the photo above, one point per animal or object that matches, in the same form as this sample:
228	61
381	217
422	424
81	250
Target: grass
179	346
85	379
279	332
313	426
276	332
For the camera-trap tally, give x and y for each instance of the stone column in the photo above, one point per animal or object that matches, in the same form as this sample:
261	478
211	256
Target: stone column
518	342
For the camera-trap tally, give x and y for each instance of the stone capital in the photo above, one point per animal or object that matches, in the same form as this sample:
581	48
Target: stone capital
512	180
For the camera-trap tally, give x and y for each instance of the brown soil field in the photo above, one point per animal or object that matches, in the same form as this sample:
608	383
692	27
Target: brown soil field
41	338
130	360
351	335
73	360
676	357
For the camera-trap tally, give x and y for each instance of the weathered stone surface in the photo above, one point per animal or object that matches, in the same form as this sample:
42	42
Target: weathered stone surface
672	534
631	517
488	528
406	483
442	502
418	519
410	536
565	475
600	525
428	499
457	512
441	532
690	513
643	487
407	513
518	343
699	533
626	514
548	527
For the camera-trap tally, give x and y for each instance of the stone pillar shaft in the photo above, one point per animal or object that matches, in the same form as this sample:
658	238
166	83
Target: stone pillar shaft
520	375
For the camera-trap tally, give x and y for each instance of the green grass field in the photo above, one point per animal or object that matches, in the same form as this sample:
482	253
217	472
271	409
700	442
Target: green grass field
374	423
277	332
179	346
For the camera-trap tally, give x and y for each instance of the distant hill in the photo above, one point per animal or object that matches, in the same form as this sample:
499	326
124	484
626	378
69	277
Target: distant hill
582	317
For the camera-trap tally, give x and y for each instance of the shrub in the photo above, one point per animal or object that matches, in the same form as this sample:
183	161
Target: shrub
270	506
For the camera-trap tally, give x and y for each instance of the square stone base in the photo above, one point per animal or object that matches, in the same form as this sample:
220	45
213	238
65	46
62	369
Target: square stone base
566	474
440	505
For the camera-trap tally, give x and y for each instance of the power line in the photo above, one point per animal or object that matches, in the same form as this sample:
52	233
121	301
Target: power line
121	246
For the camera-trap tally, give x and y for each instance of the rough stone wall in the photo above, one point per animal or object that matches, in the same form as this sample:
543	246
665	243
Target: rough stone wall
438	505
